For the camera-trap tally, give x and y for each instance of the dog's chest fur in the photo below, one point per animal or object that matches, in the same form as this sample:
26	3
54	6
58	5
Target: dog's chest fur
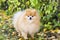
29	27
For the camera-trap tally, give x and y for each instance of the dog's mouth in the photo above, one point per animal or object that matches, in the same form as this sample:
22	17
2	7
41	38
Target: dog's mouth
30	21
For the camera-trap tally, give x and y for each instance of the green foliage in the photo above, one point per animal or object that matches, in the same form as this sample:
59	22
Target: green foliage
50	17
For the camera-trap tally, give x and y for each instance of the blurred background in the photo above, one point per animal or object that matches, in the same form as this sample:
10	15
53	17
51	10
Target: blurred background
49	11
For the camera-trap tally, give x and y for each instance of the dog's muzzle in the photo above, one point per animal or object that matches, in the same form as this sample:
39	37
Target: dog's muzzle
30	18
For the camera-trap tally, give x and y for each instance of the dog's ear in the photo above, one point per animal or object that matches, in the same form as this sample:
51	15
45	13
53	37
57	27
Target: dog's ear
28	12
34	11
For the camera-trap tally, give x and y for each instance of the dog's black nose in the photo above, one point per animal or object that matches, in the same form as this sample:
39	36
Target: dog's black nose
30	18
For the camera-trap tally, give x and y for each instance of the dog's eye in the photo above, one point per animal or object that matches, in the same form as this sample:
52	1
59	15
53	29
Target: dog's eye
32	16
28	16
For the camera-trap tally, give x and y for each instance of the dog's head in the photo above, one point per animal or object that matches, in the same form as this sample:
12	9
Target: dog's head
31	15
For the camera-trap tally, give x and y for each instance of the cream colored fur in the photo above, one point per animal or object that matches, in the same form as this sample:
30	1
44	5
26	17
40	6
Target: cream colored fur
24	25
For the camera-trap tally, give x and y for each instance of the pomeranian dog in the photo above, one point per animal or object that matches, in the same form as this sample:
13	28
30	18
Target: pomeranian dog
27	22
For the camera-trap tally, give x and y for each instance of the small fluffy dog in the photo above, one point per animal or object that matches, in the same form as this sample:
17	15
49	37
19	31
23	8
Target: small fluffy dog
27	22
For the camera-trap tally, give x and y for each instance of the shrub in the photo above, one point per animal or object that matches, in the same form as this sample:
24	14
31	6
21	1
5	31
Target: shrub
50	17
